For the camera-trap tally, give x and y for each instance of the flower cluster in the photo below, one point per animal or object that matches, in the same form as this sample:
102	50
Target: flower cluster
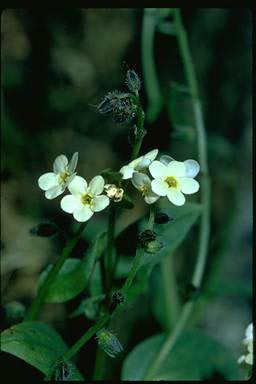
152	178
248	343
85	199
170	178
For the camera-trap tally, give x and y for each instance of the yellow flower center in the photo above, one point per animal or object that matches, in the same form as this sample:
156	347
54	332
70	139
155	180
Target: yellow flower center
63	176
171	181
87	199
143	190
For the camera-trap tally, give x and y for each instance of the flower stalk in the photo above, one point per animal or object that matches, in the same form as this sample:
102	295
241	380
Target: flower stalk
38	302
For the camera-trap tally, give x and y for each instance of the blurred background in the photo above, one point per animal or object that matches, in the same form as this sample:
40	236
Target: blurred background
56	67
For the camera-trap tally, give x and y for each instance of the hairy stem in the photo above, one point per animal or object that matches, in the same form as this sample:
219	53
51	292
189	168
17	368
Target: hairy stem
205	195
39	300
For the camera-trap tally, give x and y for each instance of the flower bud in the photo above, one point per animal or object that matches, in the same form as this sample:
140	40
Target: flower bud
163	218
146	236
153	246
113	192
63	371
14	312
108	342
133	81
46	229
116	299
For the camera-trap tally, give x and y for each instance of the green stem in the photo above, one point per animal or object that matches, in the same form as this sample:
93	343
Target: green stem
155	100
38	302
111	234
205	196
99	365
171	299
140	132
139	253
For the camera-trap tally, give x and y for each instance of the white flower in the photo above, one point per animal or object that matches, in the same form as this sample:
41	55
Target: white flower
54	183
143	183
248	342
192	166
139	164
85	199
172	181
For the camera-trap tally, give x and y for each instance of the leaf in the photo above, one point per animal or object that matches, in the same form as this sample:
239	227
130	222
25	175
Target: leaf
74	274
195	356
37	344
89	307
174	232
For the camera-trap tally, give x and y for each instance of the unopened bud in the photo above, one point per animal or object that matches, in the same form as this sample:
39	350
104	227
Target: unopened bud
63	371
153	246
163	218
46	229
133	81
108	342
116	299
14	311
146	236
113	192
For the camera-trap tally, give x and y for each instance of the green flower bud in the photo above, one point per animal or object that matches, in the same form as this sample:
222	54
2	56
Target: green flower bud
133	81
14	311
153	246
108	342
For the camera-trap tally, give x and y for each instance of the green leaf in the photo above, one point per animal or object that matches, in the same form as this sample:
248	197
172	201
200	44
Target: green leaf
173	233
37	344
89	307
195	356
74	274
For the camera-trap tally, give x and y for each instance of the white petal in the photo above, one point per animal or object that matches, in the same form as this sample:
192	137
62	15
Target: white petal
100	203
83	213
96	185
165	159
144	163
192	168
69	179
176	197
151	155
69	203
78	186
249	332
47	181
151	198
176	168
157	169
249	359
135	162
140	179
159	187
73	162
127	172
60	164
241	359
189	185
54	192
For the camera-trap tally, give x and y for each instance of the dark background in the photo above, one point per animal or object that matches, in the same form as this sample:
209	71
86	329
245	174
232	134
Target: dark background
56	67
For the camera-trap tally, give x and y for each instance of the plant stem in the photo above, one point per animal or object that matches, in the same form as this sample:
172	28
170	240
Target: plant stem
171	299
38	302
155	99
140	131
139	253
205	195
111	234
99	364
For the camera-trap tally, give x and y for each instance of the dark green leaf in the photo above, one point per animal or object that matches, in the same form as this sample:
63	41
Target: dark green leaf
37	344
74	274
195	356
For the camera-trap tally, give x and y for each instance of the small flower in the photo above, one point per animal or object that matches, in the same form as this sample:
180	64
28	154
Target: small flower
113	192
140	164
172	181
85	199
143	183
248	342
109	342
54	183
